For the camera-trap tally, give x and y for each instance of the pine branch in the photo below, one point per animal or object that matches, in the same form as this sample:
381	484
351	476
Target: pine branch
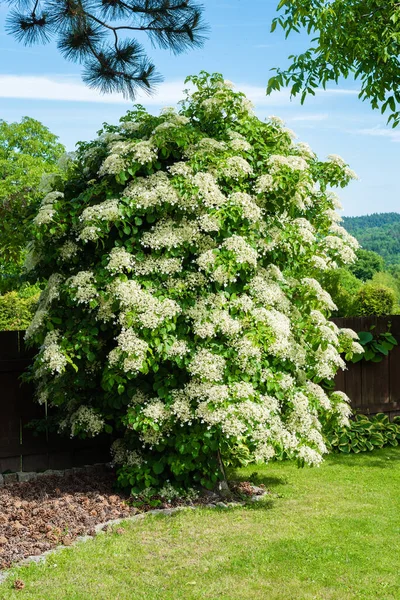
82	31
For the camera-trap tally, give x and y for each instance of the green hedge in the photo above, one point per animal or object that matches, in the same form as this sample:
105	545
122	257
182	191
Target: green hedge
363	434
16	311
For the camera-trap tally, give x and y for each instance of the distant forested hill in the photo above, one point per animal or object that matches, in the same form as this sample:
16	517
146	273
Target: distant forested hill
379	232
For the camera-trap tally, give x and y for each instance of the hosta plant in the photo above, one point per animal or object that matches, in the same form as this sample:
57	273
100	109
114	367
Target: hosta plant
362	434
182	313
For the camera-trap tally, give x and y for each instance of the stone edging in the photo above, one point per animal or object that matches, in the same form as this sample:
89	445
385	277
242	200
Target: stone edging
101	526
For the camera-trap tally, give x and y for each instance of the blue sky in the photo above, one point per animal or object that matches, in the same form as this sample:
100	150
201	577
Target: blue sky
37	82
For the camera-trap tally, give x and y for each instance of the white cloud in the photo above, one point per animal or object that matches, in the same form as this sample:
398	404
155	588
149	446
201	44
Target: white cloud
392	134
68	89
71	89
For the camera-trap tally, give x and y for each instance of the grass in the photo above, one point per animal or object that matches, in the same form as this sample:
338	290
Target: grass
328	534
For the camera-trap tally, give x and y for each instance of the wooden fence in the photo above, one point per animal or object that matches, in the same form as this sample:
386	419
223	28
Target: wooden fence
21	449
372	388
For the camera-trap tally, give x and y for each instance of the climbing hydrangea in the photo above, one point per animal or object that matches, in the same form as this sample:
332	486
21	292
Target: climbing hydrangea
183	312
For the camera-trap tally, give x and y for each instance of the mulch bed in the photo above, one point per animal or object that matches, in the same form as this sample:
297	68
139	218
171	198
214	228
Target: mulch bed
46	512
50	511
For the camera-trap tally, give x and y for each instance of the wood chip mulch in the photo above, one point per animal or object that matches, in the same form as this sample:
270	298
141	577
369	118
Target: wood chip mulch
49	511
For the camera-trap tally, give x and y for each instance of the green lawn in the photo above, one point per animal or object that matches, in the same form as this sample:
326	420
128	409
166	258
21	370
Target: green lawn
329	534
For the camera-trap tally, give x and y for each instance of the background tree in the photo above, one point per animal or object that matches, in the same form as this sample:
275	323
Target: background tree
368	263
343	286
28	150
98	34
356	37
379	232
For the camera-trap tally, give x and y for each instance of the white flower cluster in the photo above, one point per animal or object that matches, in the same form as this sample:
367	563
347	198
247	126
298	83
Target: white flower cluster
294	163
144	152
314	288
305	230
210	317
86	419
209	192
335	245
52	357
179	349
265	184
250	209
83	287
121	455
68	250
112	165
236	168
248	355
181	169
152	191
141	305
162	264
109	210
244	253
338	160
120	260
125	152
269	293
47	210
327	362
207	366
37	322
169	234
131	351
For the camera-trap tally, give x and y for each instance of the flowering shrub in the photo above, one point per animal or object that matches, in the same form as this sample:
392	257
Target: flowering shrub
182	312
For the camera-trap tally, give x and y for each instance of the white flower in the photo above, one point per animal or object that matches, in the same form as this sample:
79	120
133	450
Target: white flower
322	296
250	210
265	184
236	168
179	349
207	365
120	260
131	350
83	286
209	192
112	165
294	163
169	234
109	210
86	419
156	410
68	250
244	253
52	356
144	152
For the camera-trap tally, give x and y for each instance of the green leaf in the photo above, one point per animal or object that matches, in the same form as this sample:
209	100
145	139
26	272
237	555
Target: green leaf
365	337
158	468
